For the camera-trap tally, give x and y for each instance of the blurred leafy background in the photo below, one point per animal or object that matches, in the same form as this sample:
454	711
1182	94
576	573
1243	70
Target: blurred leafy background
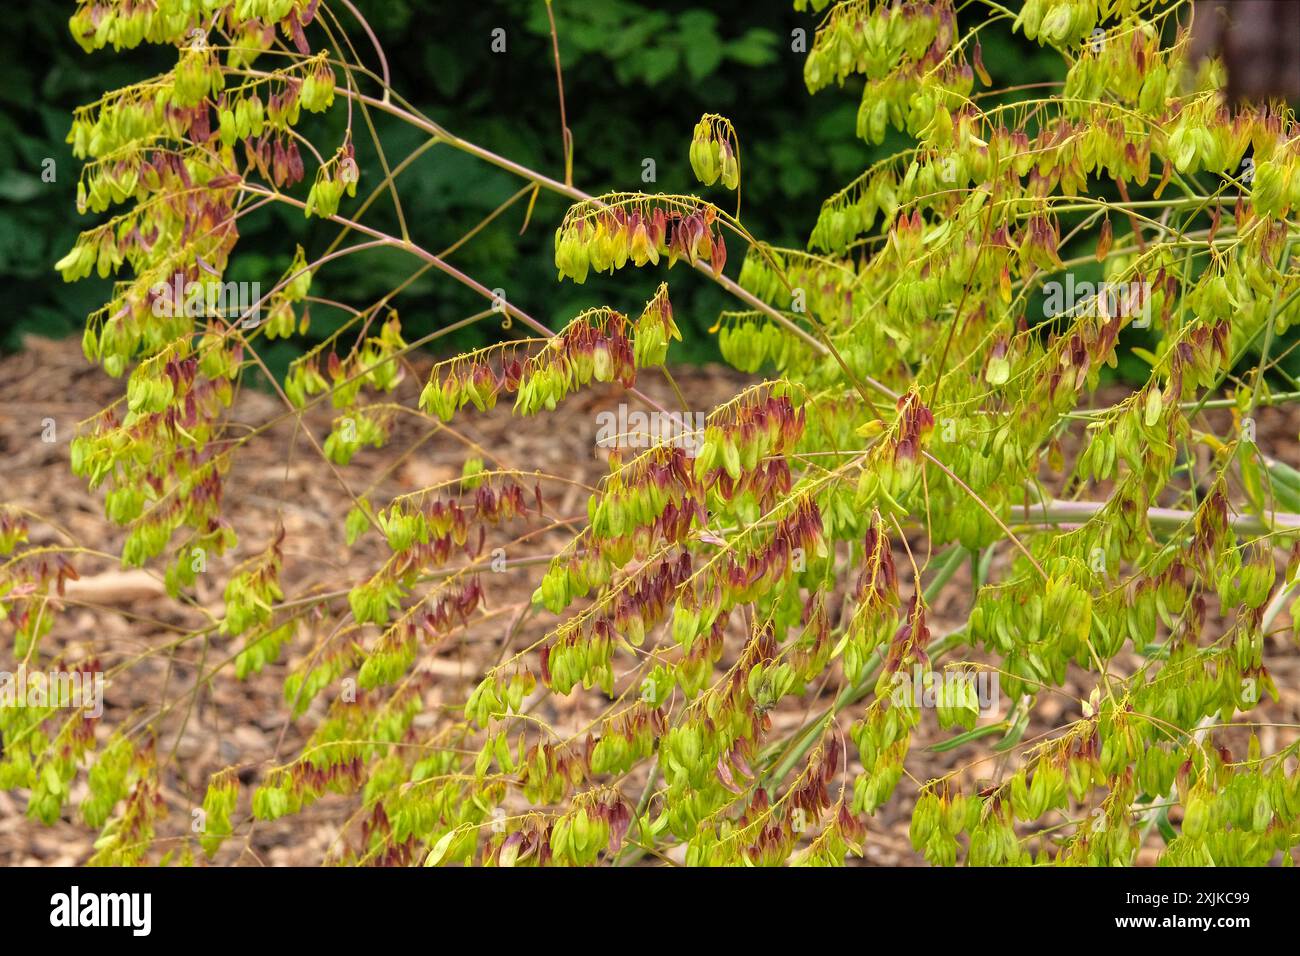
638	75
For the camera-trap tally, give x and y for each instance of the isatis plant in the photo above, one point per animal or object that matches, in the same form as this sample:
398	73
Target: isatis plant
928	400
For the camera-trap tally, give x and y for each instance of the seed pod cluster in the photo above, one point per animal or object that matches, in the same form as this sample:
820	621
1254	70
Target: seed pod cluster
604	234
715	151
862	36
